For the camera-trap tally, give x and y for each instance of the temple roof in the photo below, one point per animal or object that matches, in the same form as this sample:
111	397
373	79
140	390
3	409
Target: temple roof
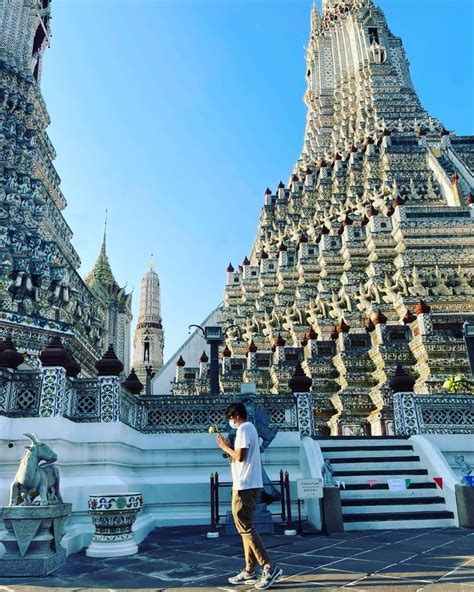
101	272
101	280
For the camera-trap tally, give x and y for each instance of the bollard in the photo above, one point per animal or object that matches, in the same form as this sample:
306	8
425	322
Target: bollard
289	531
213	534
282	493
216	498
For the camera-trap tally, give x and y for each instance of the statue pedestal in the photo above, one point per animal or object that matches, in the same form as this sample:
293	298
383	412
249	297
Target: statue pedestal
33	539
262	520
113	516
332	510
465	504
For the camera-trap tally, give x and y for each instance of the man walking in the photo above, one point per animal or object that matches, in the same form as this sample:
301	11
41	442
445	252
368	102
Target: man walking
246	484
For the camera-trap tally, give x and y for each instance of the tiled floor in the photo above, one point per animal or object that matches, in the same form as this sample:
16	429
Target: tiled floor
429	560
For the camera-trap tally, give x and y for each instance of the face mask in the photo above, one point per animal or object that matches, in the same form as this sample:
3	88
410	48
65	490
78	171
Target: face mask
233	424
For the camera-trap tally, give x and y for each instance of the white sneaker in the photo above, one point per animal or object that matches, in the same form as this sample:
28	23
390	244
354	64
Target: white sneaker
269	576
243	576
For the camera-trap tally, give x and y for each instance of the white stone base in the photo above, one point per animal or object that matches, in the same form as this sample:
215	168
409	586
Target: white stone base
170	470
117	549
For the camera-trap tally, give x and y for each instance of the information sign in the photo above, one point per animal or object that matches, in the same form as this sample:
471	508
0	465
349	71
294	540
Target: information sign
309	488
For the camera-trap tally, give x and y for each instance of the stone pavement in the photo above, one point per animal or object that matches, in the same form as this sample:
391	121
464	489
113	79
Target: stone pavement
182	558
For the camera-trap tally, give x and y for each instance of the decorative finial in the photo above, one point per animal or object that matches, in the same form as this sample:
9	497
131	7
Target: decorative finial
104	239
151	263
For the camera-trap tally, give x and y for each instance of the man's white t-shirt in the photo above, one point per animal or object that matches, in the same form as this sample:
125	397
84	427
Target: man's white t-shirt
248	473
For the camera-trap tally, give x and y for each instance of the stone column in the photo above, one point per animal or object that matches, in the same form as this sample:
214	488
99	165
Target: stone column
6	381
405	415
110	393
304	409
300	385
53	392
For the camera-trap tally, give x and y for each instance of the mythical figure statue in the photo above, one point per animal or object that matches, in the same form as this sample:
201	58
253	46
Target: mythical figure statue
33	479
390	290
328	474
466	469
417	288
337	306
364	298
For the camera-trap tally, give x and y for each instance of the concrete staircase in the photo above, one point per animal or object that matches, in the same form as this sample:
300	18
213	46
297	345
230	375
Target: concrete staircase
357	460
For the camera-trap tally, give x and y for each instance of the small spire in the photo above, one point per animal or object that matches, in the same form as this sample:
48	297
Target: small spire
104	238
315	17
151	263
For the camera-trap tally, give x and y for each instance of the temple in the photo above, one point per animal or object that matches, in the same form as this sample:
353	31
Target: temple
149	334
41	291
117	304
363	259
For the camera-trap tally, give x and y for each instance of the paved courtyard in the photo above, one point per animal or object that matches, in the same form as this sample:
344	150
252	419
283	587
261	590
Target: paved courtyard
182	558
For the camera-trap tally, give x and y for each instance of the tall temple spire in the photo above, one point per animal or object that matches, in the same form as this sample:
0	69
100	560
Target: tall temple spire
101	273
149	334
24	33
349	274
102	282
103	248
40	286
315	17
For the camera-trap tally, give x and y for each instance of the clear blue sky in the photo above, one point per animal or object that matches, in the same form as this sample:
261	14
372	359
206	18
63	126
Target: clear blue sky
176	114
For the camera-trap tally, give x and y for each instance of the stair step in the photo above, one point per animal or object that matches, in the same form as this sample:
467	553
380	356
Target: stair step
387	473
366	452
383	516
389	447
381	467
381	486
357	460
374	459
397	524
357	440
366	512
395	501
374	493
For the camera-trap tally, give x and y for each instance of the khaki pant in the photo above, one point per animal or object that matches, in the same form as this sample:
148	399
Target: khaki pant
243	505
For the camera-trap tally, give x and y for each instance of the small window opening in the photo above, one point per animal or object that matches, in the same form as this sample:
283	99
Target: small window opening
373	35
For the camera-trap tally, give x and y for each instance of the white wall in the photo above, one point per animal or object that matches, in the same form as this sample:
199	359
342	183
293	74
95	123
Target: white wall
453	444
437	452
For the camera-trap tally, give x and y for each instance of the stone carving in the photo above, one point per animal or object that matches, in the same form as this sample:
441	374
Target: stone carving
33	539
328	474
466	468
32	479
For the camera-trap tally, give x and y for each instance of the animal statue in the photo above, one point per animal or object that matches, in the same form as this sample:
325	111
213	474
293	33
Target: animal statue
33	479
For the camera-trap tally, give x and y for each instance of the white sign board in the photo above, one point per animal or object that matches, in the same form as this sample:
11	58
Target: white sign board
309	488
396	484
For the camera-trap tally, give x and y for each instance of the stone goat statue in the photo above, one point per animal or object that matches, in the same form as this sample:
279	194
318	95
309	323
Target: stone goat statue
33	479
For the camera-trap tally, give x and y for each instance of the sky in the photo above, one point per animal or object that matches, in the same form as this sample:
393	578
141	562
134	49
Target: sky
175	115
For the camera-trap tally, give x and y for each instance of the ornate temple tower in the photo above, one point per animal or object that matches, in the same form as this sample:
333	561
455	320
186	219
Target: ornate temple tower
149	335
117	303
41	291
364	258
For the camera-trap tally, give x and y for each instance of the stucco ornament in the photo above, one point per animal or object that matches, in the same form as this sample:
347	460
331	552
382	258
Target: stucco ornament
33	479
328	474
466	468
